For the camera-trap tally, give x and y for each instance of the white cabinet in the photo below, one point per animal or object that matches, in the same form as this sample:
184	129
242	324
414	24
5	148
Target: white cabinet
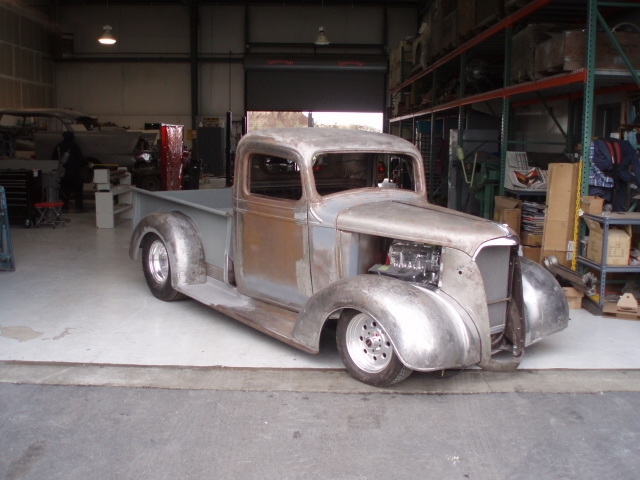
112	199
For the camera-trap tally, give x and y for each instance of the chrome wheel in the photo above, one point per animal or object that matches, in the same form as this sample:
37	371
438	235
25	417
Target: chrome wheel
367	344
158	261
157	269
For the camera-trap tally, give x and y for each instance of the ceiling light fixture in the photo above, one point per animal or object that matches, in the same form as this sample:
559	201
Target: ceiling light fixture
322	38
107	38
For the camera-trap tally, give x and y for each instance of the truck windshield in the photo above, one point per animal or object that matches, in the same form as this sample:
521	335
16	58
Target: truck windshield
337	172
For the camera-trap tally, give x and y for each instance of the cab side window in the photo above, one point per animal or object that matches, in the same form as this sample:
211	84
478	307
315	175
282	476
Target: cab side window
275	177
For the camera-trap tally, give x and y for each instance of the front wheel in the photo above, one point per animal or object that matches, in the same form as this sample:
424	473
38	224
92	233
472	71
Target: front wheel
157	269
367	352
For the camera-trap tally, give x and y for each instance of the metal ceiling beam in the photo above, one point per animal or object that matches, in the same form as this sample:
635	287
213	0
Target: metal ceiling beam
308	3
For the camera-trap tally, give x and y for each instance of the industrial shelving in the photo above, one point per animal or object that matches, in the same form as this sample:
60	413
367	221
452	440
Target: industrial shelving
603	268
581	84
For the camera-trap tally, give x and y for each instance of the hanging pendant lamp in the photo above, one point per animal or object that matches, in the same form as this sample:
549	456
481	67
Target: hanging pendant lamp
322	38
107	37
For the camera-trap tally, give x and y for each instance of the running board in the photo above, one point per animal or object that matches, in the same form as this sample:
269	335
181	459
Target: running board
275	321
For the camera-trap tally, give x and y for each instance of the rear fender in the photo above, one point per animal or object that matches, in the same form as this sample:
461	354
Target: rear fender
184	246
426	329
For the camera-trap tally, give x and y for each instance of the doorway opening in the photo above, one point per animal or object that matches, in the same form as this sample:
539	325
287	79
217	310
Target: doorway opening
351	120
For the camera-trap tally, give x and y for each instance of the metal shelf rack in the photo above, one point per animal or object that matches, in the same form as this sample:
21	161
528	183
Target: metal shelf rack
584	83
608	221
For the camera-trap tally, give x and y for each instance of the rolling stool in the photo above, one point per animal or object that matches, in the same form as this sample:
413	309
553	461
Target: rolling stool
50	213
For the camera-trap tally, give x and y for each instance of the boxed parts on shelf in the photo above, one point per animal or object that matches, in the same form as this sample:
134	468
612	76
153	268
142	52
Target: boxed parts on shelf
466	18
592	205
626	307
507	210
561	211
476	15
523	49
618	244
566	52
421	52
532	253
450	31
531	240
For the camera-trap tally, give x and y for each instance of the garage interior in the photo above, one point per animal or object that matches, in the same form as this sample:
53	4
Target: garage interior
464	81
100	379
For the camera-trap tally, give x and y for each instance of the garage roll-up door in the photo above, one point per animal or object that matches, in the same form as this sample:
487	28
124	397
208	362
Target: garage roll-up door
329	84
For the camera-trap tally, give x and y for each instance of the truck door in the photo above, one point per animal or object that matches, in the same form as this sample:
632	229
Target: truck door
272	242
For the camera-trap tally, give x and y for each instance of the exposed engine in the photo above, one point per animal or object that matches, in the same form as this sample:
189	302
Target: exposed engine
412	262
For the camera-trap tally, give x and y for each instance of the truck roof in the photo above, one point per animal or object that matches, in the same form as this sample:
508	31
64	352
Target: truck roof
311	140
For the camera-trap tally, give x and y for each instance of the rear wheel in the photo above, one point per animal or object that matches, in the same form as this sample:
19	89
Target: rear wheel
157	269
366	350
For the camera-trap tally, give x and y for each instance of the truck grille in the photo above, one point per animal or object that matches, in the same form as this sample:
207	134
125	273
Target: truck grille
494	265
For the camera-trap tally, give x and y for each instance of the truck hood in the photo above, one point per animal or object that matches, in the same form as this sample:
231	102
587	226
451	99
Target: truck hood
429	224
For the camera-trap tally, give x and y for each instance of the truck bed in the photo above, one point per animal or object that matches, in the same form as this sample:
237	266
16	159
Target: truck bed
211	210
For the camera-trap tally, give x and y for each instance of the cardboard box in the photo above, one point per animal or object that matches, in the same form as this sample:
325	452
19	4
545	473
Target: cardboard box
466	17
567	52
450	30
530	239
626	307
560	218
592	205
573	296
619	244
508	210
532	253
523	49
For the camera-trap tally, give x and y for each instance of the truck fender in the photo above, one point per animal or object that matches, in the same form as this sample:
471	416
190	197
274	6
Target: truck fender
427	332
545	306
183	242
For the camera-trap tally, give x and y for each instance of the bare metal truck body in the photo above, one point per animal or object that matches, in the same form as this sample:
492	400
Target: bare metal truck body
326	226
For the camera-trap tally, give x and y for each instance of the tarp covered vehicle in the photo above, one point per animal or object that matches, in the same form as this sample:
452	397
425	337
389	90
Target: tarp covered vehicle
39	130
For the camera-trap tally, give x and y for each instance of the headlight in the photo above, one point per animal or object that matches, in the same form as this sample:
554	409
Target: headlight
412	262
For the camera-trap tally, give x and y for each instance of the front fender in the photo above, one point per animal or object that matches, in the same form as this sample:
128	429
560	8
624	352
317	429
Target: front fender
184	246
427	332
545	306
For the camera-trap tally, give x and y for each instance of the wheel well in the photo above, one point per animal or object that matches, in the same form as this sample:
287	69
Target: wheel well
179	234
328	332
147	238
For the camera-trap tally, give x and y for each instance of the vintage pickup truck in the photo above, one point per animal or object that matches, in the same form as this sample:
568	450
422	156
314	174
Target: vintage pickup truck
310	237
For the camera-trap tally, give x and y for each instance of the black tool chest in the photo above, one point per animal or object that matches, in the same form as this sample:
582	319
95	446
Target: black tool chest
23	188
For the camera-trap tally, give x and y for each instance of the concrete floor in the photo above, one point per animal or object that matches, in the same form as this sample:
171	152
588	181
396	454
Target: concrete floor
79	329
79	433
77	298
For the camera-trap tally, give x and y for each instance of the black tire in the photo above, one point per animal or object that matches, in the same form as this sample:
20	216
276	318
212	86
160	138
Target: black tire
157	269
367	352
153	183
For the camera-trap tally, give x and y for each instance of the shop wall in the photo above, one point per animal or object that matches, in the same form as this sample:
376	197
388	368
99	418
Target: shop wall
145	76
26	67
